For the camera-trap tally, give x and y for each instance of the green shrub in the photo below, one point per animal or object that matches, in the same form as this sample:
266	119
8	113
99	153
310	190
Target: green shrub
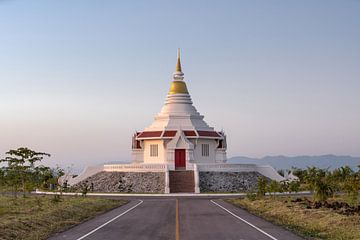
251	196
261	187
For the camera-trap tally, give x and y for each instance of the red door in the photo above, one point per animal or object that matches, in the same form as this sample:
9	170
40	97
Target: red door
180	162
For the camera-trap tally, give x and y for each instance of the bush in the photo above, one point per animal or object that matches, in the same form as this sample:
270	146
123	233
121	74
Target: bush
56	199
251	196
351	187
294	186
261	187
274	187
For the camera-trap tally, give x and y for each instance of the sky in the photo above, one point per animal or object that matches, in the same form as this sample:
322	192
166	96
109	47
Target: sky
78	78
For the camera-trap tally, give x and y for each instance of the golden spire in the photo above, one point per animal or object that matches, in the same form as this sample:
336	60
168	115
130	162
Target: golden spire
178	64
178	85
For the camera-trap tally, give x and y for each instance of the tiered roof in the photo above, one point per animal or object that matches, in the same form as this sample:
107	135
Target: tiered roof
178	114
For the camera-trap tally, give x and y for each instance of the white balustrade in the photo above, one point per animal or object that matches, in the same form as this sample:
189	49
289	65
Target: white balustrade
226	167
134	167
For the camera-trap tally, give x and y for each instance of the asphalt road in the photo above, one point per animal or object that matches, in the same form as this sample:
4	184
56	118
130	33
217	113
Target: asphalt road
172	218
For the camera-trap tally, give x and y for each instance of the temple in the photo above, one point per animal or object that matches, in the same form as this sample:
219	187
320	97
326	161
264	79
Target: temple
179	152
179	136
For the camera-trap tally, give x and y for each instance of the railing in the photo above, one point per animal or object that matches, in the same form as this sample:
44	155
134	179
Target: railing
265	170
226	167
135	167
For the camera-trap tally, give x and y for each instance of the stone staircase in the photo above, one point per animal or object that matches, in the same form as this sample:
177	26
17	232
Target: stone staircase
181	181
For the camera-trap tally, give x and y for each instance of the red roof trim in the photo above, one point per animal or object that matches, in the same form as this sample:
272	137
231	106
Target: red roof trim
150	134
169	133
190	133
208	134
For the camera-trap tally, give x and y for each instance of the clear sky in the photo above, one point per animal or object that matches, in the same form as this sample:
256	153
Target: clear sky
77	78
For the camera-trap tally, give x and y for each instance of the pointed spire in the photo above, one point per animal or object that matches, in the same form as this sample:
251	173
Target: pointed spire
178	75
178	63
178	85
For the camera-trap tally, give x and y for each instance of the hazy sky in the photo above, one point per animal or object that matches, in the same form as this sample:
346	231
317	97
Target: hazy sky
77	78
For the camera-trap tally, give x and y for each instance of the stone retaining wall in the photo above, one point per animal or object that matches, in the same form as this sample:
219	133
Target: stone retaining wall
228	181
128	182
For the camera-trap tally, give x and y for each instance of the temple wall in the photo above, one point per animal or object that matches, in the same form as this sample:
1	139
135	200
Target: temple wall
161	152
126	182
228	181
197	151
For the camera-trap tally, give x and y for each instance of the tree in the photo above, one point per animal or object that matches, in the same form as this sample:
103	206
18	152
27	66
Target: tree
351	187
319	181
300	173
261	187
2	178
340	176
294	186
274	187
21	166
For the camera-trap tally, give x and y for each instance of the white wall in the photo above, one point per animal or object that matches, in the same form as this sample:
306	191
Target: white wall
137	155
161	152
198	158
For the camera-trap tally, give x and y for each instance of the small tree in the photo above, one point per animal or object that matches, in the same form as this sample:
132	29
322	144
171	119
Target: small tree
274	187
339	177
20	166
300	173
284	185
323	190
294	186
261	187
351	187
2	178
319	181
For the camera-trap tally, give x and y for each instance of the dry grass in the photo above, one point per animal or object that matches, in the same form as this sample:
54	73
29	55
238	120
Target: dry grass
36	217
322	223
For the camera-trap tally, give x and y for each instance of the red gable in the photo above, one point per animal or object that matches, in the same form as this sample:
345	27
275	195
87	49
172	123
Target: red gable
169	133
190	133
150	134
208	134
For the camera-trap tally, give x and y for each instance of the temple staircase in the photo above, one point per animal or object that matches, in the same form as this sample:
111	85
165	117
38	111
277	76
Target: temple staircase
181	181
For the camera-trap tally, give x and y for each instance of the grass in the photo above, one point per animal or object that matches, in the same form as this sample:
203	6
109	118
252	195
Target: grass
321	223
37	217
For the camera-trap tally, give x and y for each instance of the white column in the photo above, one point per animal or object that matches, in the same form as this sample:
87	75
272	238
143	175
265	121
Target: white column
167	184
196	178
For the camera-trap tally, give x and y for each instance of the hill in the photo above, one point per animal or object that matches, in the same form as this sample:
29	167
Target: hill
284	162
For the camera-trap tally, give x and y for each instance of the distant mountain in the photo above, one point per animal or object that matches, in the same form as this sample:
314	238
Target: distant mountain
284	162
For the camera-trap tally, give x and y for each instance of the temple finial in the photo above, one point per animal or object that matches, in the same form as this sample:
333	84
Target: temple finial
178	64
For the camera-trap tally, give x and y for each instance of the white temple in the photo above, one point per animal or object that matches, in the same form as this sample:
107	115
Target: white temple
180	145
179	135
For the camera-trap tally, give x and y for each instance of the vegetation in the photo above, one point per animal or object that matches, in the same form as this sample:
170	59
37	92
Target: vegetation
323	183
261	188
275	187
37	217
21	171
333	219
333	212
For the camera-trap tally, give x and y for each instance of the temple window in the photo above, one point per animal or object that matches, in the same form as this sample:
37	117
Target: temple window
205	150
154	152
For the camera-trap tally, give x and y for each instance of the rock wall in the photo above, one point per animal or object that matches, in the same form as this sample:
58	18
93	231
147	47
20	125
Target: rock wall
127	182
228	181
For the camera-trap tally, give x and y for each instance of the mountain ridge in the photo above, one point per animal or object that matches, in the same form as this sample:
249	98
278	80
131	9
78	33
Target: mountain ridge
330	161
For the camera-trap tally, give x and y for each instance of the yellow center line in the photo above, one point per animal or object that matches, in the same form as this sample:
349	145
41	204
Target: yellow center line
177	223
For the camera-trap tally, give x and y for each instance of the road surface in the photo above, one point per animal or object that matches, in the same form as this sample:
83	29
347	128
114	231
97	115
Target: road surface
176	218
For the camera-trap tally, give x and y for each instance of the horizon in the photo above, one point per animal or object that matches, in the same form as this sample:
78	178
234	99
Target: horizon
78	79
